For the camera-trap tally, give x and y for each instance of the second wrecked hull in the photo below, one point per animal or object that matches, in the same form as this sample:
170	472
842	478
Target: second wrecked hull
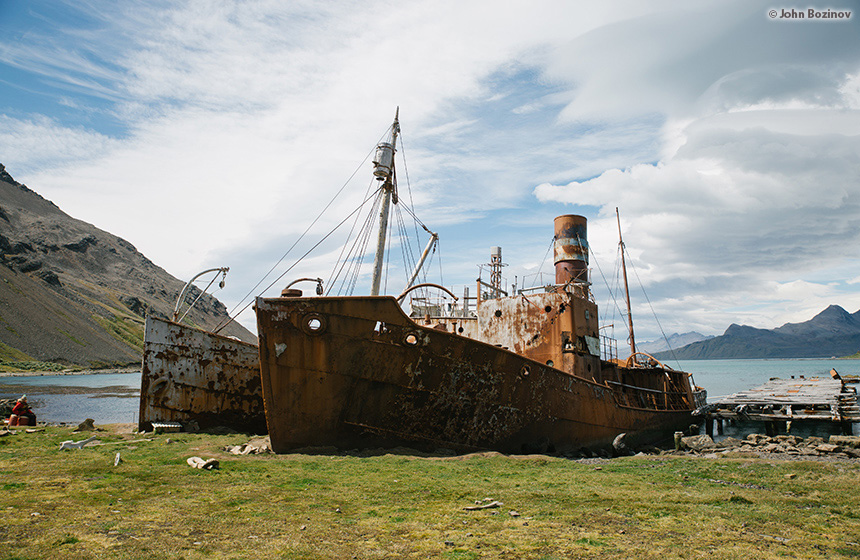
192	376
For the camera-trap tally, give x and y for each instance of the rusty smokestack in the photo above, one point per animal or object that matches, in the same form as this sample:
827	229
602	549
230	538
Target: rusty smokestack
570	250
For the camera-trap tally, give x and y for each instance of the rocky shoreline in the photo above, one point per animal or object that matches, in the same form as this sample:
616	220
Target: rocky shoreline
785	446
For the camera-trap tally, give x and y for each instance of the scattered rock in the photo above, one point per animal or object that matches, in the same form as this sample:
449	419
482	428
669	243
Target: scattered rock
87	425
730	443
846	441
828	448
619	444
698	443
513	513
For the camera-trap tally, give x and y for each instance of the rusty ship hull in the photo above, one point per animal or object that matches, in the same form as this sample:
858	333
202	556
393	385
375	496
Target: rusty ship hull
356	372
197	378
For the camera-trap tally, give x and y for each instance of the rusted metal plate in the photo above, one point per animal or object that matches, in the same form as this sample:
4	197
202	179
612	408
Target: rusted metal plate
357	372
193	375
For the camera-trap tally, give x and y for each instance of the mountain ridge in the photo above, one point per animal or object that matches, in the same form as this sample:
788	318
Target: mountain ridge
73	294
832	332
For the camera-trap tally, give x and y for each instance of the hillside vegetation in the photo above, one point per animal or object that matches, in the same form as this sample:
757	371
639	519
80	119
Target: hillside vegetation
74	295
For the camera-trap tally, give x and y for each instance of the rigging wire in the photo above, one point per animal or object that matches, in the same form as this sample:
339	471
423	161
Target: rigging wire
409	185
332	279
350	266
642	287
232	313
308	252
540	268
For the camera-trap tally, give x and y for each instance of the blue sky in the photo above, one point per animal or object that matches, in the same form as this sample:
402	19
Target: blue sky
211	133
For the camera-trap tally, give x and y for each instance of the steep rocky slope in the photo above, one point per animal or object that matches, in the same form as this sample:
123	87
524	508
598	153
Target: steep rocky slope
71	293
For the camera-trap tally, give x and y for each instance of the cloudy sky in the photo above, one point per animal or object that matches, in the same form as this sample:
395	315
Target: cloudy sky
211	133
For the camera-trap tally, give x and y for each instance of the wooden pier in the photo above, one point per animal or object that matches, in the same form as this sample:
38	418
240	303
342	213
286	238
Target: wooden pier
779	402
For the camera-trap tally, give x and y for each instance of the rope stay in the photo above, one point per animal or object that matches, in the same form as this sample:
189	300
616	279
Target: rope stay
346	271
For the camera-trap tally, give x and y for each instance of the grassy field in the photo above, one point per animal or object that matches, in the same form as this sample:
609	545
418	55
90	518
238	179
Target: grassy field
77	504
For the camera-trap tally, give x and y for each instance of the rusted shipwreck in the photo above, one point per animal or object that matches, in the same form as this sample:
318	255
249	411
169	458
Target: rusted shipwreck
194	378
520	373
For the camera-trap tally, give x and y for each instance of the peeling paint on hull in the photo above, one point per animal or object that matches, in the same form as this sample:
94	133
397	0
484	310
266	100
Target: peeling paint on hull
356	372
193	375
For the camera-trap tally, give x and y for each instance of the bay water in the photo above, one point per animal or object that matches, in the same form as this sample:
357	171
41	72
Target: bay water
114	397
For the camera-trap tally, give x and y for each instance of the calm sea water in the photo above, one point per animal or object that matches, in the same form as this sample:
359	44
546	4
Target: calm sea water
115	397
107	398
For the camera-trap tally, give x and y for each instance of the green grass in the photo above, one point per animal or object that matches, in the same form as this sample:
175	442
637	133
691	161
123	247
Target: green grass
153	505
123	329
32	365
10	353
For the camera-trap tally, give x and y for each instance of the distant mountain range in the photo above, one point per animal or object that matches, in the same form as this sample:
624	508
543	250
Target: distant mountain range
833	332
674	340
71	293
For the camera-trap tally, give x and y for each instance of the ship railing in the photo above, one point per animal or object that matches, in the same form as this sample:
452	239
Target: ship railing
641	397
608	348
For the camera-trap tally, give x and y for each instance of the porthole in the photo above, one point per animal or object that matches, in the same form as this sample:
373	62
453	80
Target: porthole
411	339
313	324
460	330
498	313
548	308
525	371
550	363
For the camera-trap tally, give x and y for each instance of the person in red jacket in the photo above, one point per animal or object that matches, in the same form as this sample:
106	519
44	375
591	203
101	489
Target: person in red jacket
22	415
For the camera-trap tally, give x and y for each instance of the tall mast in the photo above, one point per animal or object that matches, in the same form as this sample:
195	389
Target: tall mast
384	171
626	289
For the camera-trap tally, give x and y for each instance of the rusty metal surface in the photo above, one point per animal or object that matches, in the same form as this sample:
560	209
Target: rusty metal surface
193	375
570	248
357	372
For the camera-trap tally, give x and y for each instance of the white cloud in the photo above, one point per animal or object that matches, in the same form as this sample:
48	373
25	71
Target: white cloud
727	139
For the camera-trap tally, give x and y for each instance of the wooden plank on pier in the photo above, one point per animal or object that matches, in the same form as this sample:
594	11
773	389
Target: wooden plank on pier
810	398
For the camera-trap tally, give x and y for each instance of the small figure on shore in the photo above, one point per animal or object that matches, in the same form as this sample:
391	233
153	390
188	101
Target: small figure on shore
22	415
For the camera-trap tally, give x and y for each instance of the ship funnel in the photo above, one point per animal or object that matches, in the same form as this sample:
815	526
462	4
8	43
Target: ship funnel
570	250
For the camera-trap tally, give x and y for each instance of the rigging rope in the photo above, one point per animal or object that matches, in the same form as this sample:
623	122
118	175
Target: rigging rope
309	251
232	313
